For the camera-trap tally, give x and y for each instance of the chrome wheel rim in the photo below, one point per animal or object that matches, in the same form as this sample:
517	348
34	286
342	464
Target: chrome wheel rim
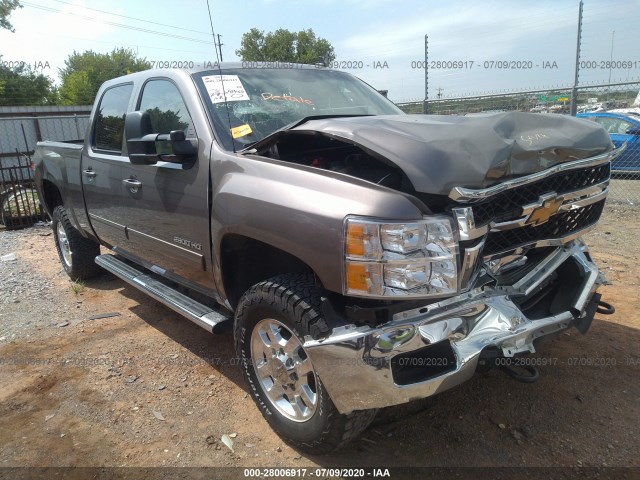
63	242
284	371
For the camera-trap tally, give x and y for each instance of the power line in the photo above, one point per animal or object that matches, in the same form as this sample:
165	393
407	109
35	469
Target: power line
134	18
123	44
130	27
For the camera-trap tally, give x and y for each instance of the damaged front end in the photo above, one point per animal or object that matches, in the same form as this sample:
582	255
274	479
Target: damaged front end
522	273
487	259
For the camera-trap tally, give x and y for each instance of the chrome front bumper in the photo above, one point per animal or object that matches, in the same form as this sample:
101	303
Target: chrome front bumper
355	364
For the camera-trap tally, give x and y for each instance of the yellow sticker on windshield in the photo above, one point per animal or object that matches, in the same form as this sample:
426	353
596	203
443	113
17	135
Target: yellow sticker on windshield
241	131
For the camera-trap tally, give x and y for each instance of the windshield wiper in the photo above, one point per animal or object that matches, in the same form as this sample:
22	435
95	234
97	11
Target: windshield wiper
300	122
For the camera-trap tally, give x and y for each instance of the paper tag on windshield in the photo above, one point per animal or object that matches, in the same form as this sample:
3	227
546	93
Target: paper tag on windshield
220	85
241	131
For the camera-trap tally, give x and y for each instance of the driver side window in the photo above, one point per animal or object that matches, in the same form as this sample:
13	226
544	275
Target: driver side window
167	111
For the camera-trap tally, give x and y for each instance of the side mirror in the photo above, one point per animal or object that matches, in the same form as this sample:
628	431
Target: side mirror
141	142
633	131
181	146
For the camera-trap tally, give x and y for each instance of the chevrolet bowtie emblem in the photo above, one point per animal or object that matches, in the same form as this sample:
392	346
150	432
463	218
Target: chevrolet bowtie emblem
549	205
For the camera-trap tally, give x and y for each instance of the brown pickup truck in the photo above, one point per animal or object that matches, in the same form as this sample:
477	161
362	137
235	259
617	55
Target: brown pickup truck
362	257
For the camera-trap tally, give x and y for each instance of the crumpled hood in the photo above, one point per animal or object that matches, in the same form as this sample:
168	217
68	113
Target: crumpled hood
440	152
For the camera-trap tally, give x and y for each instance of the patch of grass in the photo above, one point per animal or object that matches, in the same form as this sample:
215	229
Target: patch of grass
77	287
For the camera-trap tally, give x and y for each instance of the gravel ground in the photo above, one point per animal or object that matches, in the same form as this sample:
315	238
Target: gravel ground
147	388
23	287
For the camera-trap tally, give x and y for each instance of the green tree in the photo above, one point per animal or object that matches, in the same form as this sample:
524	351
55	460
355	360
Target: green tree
6	7
85	72
24	86
285	46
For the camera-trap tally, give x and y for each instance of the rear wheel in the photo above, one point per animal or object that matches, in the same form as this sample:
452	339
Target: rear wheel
272	319
77	253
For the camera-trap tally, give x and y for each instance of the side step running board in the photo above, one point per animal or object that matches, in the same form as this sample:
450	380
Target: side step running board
206	317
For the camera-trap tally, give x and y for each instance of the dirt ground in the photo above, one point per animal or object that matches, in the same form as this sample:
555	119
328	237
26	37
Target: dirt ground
148	388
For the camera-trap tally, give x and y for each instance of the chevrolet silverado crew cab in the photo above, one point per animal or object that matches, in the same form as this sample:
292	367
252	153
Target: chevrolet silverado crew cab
362	257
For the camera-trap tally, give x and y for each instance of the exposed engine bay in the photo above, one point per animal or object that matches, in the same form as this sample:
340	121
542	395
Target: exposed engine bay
325	152
439	153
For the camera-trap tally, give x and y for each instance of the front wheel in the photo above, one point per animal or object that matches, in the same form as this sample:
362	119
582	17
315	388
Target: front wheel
271	322
77	253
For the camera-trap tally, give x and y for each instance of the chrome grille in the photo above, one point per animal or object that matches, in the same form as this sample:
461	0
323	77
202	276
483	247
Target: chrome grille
508	205
558	226
546	208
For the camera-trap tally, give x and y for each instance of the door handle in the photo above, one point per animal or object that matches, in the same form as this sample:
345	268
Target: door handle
89	173
132	183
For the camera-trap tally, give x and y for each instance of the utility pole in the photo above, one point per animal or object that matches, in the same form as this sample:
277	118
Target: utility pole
440	90
574	91
426	74
220	47
613	34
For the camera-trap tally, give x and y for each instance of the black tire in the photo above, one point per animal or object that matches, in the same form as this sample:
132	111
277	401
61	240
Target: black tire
80	262
293	301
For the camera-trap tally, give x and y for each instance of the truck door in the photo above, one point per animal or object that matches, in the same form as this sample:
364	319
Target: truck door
102	162
167	210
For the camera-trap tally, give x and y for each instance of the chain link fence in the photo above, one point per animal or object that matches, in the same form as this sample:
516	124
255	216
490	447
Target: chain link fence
614	106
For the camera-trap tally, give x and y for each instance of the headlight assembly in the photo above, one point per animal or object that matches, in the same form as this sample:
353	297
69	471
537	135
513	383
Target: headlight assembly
417	259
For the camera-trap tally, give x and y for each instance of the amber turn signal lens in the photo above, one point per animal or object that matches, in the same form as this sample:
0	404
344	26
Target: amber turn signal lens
355	240
357	277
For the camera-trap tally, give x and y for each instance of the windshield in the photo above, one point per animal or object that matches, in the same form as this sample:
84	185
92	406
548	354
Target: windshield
261	101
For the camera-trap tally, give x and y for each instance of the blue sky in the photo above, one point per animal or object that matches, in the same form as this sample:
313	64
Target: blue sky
366	33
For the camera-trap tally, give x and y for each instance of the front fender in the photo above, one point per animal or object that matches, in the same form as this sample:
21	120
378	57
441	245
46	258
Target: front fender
298	210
